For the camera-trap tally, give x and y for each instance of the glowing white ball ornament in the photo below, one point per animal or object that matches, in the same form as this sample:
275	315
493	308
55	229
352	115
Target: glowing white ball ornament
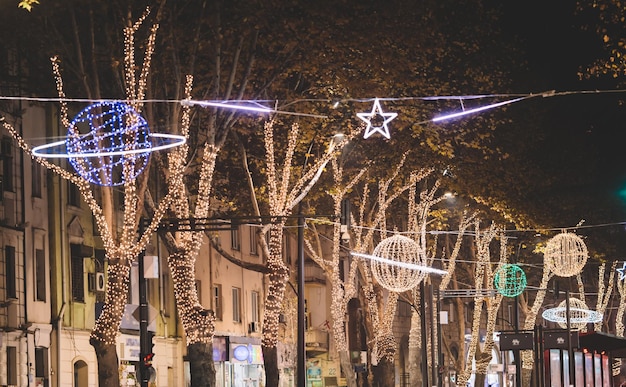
565	254
579	314
399	269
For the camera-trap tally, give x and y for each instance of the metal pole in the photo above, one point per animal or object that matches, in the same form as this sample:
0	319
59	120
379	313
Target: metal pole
424	341
145	345
432	334
439	351
518	360
541	365
538	354
572	371
301	360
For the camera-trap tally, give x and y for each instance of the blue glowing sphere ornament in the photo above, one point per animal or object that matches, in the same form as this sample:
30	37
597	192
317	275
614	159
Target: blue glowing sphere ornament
510	280
108	143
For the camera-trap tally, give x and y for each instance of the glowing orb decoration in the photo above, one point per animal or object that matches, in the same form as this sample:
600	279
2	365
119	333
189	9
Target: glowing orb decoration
398	277
579	314
510	280
108	143
565	254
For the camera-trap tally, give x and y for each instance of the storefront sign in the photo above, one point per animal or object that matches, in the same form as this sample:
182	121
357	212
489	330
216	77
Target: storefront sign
219	349
510	341
241	353
558	339
129	347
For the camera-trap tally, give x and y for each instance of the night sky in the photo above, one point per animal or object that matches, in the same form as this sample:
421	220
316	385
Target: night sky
585	133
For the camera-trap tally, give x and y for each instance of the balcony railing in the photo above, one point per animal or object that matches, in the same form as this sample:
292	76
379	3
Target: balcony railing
316	339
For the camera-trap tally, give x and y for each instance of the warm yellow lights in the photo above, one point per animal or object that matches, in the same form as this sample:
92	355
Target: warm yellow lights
284	193
483	280
531	317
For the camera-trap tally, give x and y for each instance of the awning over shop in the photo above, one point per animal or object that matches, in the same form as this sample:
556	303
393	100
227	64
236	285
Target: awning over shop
599	341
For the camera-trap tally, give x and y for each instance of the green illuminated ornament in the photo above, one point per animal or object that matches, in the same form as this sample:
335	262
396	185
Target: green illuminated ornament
510	280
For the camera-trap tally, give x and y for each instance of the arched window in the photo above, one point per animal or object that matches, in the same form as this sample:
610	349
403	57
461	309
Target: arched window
80	374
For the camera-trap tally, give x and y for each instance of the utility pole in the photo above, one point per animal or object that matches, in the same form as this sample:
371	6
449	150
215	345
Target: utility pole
147	372
301	356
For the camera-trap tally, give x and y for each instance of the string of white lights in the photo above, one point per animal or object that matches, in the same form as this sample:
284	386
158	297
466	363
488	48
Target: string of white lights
257	105
217	103
510	231
405	265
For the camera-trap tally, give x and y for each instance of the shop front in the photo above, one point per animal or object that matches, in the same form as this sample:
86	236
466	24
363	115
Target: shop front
238	362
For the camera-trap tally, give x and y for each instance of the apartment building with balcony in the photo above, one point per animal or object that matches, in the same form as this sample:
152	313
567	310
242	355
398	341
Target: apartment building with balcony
231	281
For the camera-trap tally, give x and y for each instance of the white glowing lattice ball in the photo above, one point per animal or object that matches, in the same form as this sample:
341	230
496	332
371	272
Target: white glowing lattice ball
565	254
579	314
397	271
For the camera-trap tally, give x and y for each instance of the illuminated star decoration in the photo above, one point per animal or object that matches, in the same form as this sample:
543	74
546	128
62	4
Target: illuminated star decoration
622	275
376	127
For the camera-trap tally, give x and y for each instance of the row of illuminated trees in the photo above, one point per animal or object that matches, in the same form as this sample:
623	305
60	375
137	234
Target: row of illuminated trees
388	193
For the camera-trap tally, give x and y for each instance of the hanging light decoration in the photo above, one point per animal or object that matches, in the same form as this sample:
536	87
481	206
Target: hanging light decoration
579	314
108	143
510	280
400	253
565	254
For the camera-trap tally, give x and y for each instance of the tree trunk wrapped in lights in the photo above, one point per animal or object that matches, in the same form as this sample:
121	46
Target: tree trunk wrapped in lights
341	291
379	316
483	282
284	193
484	355
529	324
449	265
605	291
619	320
415	343
419	216
122	245
198	322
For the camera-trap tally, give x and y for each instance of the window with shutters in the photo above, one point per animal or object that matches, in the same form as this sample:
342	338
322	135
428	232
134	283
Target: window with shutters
78	279
40	272
217	301
236	304
11	272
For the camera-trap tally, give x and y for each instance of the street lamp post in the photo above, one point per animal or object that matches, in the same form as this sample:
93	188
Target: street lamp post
301	355
424	340
146	371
